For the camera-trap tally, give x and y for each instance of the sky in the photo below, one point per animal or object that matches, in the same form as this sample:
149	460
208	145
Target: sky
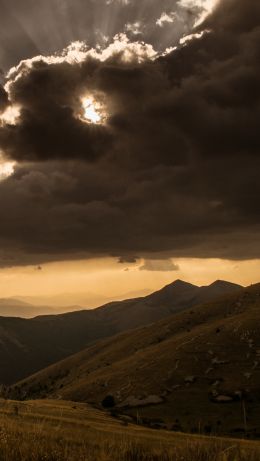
129	144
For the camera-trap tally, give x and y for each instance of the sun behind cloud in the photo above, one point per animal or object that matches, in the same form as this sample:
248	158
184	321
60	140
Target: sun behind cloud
93	111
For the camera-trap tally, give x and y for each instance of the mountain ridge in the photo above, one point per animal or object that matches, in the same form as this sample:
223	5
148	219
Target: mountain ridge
38	342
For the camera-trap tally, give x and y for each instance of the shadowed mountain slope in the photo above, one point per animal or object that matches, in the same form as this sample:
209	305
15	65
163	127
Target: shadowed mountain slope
38	342
174	297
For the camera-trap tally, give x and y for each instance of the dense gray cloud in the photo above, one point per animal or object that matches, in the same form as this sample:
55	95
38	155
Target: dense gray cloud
173	171
127	260
3	99
159	265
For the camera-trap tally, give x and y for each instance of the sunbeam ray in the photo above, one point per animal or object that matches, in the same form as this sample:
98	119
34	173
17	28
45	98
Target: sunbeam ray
46	27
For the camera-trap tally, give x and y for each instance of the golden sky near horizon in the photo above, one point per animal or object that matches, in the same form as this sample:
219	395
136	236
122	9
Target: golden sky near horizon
107	278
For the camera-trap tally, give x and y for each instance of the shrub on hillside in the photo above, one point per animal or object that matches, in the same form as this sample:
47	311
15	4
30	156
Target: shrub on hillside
108	402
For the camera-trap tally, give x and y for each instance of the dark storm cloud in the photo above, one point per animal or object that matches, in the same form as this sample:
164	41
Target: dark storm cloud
159	265
174	172
128	260
48	95
3	99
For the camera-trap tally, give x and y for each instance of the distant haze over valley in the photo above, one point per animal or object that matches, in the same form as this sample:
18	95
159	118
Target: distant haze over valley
33	306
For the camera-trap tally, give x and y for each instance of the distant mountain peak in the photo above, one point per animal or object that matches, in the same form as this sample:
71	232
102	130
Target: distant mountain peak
179	283
223	283
175	293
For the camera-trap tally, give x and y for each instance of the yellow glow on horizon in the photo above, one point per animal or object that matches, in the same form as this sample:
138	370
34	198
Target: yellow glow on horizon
105	277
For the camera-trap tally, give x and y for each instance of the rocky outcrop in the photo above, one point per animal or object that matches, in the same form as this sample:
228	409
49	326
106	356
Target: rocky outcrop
132	401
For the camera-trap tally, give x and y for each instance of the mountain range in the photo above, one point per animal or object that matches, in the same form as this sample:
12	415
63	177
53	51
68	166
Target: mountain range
32	306
41	341
16	307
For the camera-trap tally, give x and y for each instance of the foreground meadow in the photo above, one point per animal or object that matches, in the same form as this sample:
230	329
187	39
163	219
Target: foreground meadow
67	431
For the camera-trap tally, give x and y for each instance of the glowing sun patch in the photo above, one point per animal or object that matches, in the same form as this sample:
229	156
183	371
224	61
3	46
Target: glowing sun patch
6	169
93	111
10	116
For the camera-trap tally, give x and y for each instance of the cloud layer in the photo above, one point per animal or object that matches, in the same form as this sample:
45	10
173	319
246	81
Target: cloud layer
173	172
30	28
159	265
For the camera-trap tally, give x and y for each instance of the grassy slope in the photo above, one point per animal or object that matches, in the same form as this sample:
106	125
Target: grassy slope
217	344
57	430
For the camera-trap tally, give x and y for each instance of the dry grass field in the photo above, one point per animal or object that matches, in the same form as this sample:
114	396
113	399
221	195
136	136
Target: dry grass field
51	430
